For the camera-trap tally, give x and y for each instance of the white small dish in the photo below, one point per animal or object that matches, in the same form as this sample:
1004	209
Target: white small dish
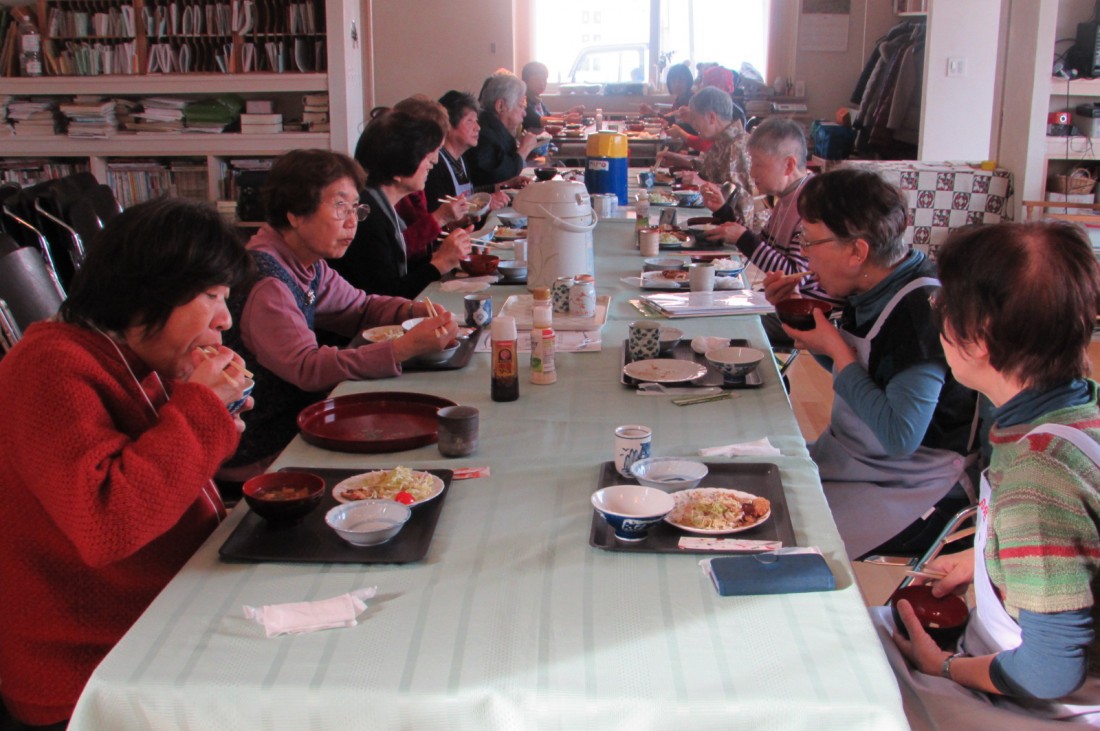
368	522
355	482
664	370
668	473
383	332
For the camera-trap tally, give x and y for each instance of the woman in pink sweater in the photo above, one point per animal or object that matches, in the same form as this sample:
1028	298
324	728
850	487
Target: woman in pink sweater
114	422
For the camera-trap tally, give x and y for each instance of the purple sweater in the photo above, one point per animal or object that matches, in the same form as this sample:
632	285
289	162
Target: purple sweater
273	328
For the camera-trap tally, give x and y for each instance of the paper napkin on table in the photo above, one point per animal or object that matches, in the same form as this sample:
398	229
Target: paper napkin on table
759	448
300	617
472	284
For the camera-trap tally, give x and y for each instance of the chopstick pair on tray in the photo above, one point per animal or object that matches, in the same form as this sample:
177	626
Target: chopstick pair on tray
209	350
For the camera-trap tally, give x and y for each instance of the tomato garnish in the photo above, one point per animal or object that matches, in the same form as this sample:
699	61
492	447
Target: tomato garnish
404	497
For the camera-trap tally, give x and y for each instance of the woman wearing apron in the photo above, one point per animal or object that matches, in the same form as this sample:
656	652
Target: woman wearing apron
450	177
1017	309
893	454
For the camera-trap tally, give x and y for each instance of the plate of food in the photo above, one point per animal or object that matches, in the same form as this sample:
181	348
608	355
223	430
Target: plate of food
717	511
403	484
507	233
664	370
382	333
665	279
661	198
672	239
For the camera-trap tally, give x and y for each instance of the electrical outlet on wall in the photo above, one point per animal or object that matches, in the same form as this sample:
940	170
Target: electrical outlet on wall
956	66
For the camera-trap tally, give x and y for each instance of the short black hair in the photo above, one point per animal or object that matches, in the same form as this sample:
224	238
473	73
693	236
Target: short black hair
1030	292
681	72
296	180
457	103
856	203
151	259
394	145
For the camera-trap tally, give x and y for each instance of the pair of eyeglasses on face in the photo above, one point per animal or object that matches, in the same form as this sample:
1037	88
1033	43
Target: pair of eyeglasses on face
808	243
342	210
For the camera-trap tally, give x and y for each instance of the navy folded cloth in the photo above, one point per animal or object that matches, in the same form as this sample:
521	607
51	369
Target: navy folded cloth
771	573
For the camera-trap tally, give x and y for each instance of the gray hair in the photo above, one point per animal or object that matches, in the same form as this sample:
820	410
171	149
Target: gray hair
502	85
712	99
780	137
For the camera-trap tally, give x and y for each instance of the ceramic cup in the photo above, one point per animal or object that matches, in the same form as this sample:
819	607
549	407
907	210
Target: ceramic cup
458	426
479	309
519	250
649	241
632	443
701	277
646	178
644	340
560	294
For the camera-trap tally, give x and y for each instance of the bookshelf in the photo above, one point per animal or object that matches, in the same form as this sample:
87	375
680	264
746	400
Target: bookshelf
334	57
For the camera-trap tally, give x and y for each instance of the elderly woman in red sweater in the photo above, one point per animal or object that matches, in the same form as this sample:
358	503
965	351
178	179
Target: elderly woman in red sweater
115	421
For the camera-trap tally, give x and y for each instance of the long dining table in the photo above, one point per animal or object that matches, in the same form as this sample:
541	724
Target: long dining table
512	620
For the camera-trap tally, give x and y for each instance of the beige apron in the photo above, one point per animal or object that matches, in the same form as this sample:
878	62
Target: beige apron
463	189
872	495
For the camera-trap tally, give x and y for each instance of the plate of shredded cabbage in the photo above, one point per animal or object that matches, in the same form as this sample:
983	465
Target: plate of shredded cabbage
715	511
386	484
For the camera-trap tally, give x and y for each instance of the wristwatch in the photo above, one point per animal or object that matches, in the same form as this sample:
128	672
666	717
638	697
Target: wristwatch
945	669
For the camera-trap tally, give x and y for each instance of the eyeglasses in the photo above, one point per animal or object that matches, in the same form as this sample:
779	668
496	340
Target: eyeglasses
342	210
810	243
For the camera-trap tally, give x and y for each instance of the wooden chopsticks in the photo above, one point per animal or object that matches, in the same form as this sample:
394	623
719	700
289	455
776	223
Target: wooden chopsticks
925	574
439	331
206	353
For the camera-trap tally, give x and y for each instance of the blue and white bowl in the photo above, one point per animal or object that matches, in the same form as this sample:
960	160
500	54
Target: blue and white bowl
237	405
735	362
631	510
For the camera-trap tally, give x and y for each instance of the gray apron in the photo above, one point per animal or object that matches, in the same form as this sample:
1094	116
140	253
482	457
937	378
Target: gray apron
383	204
464	188
872	495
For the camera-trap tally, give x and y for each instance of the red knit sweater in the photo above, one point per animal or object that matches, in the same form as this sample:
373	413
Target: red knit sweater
101	503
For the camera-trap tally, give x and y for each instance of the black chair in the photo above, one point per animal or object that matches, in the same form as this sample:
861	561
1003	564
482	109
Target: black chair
28	291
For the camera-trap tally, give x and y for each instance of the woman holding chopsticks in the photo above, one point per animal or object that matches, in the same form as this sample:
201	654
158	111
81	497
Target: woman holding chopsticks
1016	314
313	211
114	423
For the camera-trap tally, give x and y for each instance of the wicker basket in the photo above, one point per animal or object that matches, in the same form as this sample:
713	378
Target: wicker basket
1079	181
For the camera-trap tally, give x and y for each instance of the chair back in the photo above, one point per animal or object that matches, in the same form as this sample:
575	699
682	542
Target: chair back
27	287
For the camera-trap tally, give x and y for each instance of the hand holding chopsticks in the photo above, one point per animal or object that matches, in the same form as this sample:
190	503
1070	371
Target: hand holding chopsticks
432	312
210	350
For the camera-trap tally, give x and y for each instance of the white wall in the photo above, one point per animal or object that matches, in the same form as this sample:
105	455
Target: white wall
957	116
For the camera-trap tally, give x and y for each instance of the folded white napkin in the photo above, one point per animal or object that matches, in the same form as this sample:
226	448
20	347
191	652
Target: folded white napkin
703	343
473	284
759	448
301	617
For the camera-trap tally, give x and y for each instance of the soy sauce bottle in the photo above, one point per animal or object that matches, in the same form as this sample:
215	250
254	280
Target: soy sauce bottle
505	385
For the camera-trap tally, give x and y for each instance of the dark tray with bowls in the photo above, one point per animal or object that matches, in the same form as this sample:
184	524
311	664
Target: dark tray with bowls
460	358
378	421
713	377
757	478
312	541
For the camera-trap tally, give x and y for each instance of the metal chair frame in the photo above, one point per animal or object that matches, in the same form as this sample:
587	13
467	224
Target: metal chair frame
76	251
10	334
949	533
44	249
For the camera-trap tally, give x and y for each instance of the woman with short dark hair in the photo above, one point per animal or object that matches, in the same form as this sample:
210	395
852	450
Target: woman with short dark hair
397	150
1016	315
297	292
115	420
892	458
450	176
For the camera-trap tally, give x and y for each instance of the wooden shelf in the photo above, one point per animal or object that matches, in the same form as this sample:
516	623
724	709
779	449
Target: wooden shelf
164	84
1073	87
167	145
1080	148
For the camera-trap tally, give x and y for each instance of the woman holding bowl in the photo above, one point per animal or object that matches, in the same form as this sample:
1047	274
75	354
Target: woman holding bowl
497	159
1016	315
892	459
115	421
397	149
313	210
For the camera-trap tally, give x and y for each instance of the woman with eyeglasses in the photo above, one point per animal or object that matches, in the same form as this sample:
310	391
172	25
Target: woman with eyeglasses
893	458
313	210
397	149
1016	313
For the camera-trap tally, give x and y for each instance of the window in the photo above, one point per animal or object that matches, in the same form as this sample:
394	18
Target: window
614	46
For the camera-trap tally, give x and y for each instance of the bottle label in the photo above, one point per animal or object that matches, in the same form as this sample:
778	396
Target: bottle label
504	360
31	43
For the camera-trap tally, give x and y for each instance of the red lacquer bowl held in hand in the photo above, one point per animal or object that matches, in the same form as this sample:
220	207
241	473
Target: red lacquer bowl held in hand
943	618
479	265
798	312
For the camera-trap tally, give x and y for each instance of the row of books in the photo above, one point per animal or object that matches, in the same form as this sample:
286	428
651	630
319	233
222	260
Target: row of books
135	181
28	171
111	22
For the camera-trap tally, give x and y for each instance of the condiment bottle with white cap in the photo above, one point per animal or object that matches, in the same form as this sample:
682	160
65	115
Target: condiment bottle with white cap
505	384
542	338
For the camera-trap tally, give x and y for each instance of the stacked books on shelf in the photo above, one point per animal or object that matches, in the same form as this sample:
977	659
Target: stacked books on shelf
28	171
34	117
91	116
135	181
5	127
159	114
212	114
315	113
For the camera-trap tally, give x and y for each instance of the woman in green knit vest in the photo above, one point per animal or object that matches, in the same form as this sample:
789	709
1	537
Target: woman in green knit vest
1016	313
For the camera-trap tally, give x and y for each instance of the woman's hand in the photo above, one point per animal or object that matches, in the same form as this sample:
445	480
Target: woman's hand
451	210
213	370
713	196
528	141
499	200
920	649
777	285
729	233
519	182
430	335
664	157
958	569
823	339
455	247
676	132
646	109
